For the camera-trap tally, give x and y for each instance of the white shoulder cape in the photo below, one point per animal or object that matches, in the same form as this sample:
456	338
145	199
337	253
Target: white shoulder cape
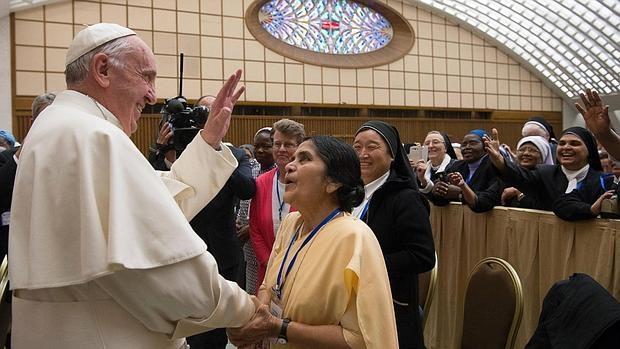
87	203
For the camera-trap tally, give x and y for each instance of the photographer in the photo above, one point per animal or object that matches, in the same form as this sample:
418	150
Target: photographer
164	152
215	223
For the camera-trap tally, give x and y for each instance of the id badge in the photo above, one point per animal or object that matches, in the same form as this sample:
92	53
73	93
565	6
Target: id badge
275	308
275	304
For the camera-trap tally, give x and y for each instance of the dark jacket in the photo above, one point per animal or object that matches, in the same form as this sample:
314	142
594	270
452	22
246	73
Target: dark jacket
577	204
8	168
398	215
577	313
550	182
483	183
215	224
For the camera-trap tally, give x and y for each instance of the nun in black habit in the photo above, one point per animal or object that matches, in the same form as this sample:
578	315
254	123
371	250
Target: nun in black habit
399	216
476	172
578	169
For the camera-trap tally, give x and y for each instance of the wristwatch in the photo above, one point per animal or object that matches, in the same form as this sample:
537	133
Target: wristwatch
282	338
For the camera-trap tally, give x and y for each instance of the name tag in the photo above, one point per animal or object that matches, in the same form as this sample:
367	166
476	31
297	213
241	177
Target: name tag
6	218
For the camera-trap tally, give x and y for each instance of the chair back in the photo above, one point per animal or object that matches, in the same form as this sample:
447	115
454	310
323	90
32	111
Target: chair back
5	305
427	283
493	306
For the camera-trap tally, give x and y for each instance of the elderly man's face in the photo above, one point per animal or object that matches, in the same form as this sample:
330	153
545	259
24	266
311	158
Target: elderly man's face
133	87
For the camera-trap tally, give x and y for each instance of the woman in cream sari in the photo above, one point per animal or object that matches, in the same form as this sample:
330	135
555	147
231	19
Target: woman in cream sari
326	284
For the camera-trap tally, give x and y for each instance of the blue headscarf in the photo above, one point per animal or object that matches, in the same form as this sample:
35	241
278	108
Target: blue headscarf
8	136
480	133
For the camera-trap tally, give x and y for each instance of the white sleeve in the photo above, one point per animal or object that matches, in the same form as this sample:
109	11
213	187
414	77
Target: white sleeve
198	175
428	188
180	299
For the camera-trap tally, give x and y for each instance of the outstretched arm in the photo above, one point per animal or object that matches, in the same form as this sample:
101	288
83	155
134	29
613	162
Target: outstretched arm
218	122
597	120
491	145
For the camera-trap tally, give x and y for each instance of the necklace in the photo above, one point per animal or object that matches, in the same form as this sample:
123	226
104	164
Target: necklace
98	107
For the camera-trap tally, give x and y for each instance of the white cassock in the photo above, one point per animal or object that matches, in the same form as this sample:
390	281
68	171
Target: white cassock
101	251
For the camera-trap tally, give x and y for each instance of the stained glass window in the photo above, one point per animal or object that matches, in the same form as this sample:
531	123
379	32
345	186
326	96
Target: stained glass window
326	26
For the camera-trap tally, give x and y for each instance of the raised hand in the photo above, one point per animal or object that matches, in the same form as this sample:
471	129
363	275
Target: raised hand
440	189
456	178
509	193
165	133
595	114
420	170
219	118
491	145
597	205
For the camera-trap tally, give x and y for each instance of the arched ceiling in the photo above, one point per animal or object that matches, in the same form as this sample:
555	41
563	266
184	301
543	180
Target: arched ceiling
569	44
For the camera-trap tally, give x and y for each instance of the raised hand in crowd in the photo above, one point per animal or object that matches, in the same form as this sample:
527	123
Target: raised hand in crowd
509	193
218	122
597	205
491	145
469	196
420	169
446	190
597	121
456	178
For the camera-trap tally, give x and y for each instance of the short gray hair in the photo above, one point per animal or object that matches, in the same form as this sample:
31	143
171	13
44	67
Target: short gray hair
77	71
41	102
289	128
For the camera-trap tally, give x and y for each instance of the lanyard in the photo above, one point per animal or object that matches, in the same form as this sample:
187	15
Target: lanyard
280	281
364	212
280	201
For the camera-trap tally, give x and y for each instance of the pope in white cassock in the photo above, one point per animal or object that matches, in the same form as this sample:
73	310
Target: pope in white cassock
101	251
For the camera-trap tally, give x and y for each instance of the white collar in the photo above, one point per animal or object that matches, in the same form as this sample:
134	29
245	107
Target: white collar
95	107
371	187
442	167
574	176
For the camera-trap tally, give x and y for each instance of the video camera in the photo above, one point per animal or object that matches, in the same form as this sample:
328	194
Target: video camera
185	121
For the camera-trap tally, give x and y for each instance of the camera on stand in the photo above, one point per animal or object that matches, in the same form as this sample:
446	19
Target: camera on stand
184	120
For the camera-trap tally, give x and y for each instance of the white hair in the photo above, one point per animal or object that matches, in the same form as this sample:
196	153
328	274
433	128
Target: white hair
41	102
77	71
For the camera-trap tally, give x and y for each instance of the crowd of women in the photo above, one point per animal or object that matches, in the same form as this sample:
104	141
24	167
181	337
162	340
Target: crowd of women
340	233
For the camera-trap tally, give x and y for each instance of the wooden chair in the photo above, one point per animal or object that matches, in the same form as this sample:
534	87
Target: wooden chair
427	283
5	305
493	306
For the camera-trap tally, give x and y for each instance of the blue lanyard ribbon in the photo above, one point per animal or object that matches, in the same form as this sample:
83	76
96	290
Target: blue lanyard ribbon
364	212
280	201
280	281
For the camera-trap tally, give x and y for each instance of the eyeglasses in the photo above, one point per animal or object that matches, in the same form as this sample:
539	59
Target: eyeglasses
433	142
530	150
287	145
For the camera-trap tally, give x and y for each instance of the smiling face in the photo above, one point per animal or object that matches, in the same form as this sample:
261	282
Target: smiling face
528	155
436	147
132	86
374	155
472	148
572	152
283	148
263	149
305	179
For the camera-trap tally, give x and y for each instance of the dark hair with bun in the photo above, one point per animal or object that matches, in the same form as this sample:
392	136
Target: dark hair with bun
343	167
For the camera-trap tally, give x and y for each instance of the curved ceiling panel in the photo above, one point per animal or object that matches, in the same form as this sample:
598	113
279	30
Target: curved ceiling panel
571	44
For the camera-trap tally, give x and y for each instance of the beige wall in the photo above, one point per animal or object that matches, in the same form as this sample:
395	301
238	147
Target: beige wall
448	67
